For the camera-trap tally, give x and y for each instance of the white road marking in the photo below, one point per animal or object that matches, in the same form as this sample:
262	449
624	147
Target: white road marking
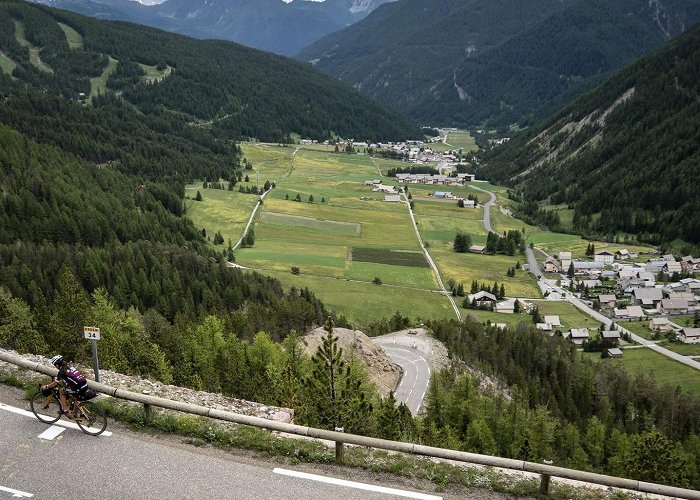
62	423
353	484
52	433
16	493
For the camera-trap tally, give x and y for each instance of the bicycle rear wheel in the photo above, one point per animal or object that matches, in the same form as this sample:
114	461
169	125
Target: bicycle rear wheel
45	408
91	418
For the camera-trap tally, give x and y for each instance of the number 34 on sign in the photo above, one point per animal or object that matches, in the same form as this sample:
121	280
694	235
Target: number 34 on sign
91	332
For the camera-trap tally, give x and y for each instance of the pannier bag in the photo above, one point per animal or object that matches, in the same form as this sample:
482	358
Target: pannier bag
86	394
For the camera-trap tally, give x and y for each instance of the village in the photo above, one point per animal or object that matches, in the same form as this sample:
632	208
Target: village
662	291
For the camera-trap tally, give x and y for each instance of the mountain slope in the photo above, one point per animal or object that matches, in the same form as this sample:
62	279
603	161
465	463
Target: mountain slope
271	25
479	62
627	153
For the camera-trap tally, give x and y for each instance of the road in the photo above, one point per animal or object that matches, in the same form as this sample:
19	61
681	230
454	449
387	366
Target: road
252	216
532	262
416	370
134	466
487	208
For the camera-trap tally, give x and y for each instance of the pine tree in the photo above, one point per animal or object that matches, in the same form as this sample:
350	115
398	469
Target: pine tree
198	197
334	392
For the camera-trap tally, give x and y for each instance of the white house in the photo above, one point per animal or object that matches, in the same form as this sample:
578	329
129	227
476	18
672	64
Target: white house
605	257
690	336
565	259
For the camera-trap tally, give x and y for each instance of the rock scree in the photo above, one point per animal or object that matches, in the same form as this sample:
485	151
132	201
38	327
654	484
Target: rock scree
382	371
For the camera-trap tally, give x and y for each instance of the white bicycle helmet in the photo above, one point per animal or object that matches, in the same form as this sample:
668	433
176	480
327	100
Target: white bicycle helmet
56	360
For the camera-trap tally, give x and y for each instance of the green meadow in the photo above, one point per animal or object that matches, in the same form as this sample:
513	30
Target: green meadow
339	217
467	267
665	370
570	316
75	39
219	210
461	139
98	84
363	303
7	65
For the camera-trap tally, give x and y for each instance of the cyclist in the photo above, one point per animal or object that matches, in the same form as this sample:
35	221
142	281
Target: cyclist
75	382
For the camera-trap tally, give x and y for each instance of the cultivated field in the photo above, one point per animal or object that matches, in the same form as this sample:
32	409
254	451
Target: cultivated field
341	242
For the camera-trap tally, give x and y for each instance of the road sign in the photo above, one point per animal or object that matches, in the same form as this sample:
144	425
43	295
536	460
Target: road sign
91	332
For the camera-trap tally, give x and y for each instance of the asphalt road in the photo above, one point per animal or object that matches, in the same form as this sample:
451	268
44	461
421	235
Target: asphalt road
534	267
134	466
487	208
416	370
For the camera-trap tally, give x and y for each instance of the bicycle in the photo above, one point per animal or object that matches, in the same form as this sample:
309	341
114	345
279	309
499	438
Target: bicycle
46	407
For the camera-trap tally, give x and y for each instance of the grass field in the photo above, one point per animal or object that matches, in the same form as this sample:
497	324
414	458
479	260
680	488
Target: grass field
153	74
569	315
363	303
220	210
665	370
641	328
331	226
99	83
33	51
682	349
7	65
461	139
466	267
511	320
75	39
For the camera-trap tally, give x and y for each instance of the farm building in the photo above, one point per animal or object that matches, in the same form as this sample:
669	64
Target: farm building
578	335
690	336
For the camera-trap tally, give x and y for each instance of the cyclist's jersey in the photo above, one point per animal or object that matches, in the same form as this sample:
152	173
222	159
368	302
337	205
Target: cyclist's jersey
75	381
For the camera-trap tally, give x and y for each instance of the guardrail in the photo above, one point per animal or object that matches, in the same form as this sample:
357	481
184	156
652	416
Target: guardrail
546	471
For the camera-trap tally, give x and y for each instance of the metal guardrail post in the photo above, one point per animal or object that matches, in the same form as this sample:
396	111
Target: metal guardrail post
339	448
544	480
147	413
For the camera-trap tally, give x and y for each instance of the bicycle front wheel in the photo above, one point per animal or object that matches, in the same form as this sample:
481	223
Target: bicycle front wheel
91	418
45	408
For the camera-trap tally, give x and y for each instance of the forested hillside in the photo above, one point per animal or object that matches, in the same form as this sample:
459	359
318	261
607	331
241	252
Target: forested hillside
561	407
231	90
494	63
92	219
273	25
625	156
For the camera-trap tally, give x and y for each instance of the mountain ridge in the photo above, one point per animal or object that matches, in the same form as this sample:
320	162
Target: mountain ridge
444	67
272	25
